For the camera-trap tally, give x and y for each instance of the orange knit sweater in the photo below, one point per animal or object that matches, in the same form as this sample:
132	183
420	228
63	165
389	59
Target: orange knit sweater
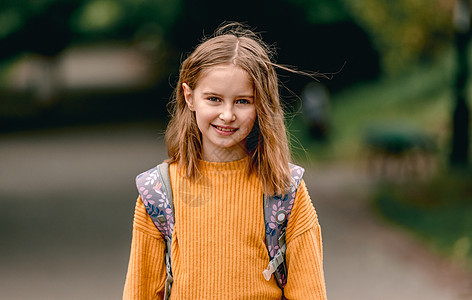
218	245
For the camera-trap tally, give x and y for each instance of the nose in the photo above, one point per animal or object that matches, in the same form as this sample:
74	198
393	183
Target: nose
227	114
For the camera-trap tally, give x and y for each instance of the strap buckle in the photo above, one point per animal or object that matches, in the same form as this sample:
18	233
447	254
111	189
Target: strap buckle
268	272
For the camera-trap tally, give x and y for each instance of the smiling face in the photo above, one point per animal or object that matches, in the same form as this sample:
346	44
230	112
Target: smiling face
223	102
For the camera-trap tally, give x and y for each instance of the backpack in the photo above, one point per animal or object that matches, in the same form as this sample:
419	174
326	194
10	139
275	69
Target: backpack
156	194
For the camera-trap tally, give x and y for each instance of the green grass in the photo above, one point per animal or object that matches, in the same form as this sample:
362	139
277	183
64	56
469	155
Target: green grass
438	212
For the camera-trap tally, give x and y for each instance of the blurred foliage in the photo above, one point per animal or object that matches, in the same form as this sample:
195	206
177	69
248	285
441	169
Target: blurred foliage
48	26
125	18
99	16
402	31
438	211
35	26
324	11
405	31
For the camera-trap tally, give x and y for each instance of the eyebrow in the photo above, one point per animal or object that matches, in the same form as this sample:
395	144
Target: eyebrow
218	95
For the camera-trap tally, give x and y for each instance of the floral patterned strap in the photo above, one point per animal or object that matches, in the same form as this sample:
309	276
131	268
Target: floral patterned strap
277	211
151	187
156	194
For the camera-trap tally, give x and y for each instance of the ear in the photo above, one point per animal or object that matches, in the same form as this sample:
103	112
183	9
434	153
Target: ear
188	95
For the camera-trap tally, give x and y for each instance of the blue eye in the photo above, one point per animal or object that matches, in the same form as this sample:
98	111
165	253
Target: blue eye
213	99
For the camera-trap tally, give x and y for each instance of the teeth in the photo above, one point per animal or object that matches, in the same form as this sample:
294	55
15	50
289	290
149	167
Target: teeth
225	129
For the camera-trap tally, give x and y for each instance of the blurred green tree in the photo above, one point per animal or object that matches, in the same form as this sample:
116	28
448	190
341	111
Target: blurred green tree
40	27
46	27
324	11
125	19
459	155
405	31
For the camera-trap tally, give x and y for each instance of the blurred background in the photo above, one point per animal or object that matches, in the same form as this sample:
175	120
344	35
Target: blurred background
384	135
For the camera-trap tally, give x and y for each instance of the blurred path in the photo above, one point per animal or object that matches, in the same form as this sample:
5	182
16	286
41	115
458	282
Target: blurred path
66	204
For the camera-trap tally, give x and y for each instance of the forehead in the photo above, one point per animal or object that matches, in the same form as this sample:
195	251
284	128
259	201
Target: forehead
224	75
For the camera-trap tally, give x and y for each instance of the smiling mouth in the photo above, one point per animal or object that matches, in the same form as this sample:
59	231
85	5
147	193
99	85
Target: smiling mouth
224	128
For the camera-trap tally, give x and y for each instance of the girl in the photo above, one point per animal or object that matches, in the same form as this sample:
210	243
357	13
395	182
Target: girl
228	150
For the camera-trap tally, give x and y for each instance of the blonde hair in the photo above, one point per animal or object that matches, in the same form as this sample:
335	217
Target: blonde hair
267	144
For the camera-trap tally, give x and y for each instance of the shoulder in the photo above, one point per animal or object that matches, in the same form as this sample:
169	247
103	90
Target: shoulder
154	190
303	216
297	168
147	176
296	172
153	175
143	222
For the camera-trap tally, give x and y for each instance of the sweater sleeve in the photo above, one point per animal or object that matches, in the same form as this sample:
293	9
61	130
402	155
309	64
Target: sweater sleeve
146	274
304	256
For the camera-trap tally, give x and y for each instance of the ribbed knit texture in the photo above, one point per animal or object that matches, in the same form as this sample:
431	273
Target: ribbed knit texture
218	246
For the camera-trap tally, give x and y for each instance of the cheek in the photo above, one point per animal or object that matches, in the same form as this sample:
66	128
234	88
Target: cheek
204	118
252	117
249	123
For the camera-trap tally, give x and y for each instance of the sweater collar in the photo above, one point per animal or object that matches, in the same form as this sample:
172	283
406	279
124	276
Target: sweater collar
236	165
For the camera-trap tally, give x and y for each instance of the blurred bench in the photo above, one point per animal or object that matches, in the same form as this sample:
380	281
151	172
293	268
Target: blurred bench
399	150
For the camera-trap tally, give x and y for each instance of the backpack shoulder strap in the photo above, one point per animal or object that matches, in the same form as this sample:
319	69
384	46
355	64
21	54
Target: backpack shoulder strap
156	193
163	170
277	211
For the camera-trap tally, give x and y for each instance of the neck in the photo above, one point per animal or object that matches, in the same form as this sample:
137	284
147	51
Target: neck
224	154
